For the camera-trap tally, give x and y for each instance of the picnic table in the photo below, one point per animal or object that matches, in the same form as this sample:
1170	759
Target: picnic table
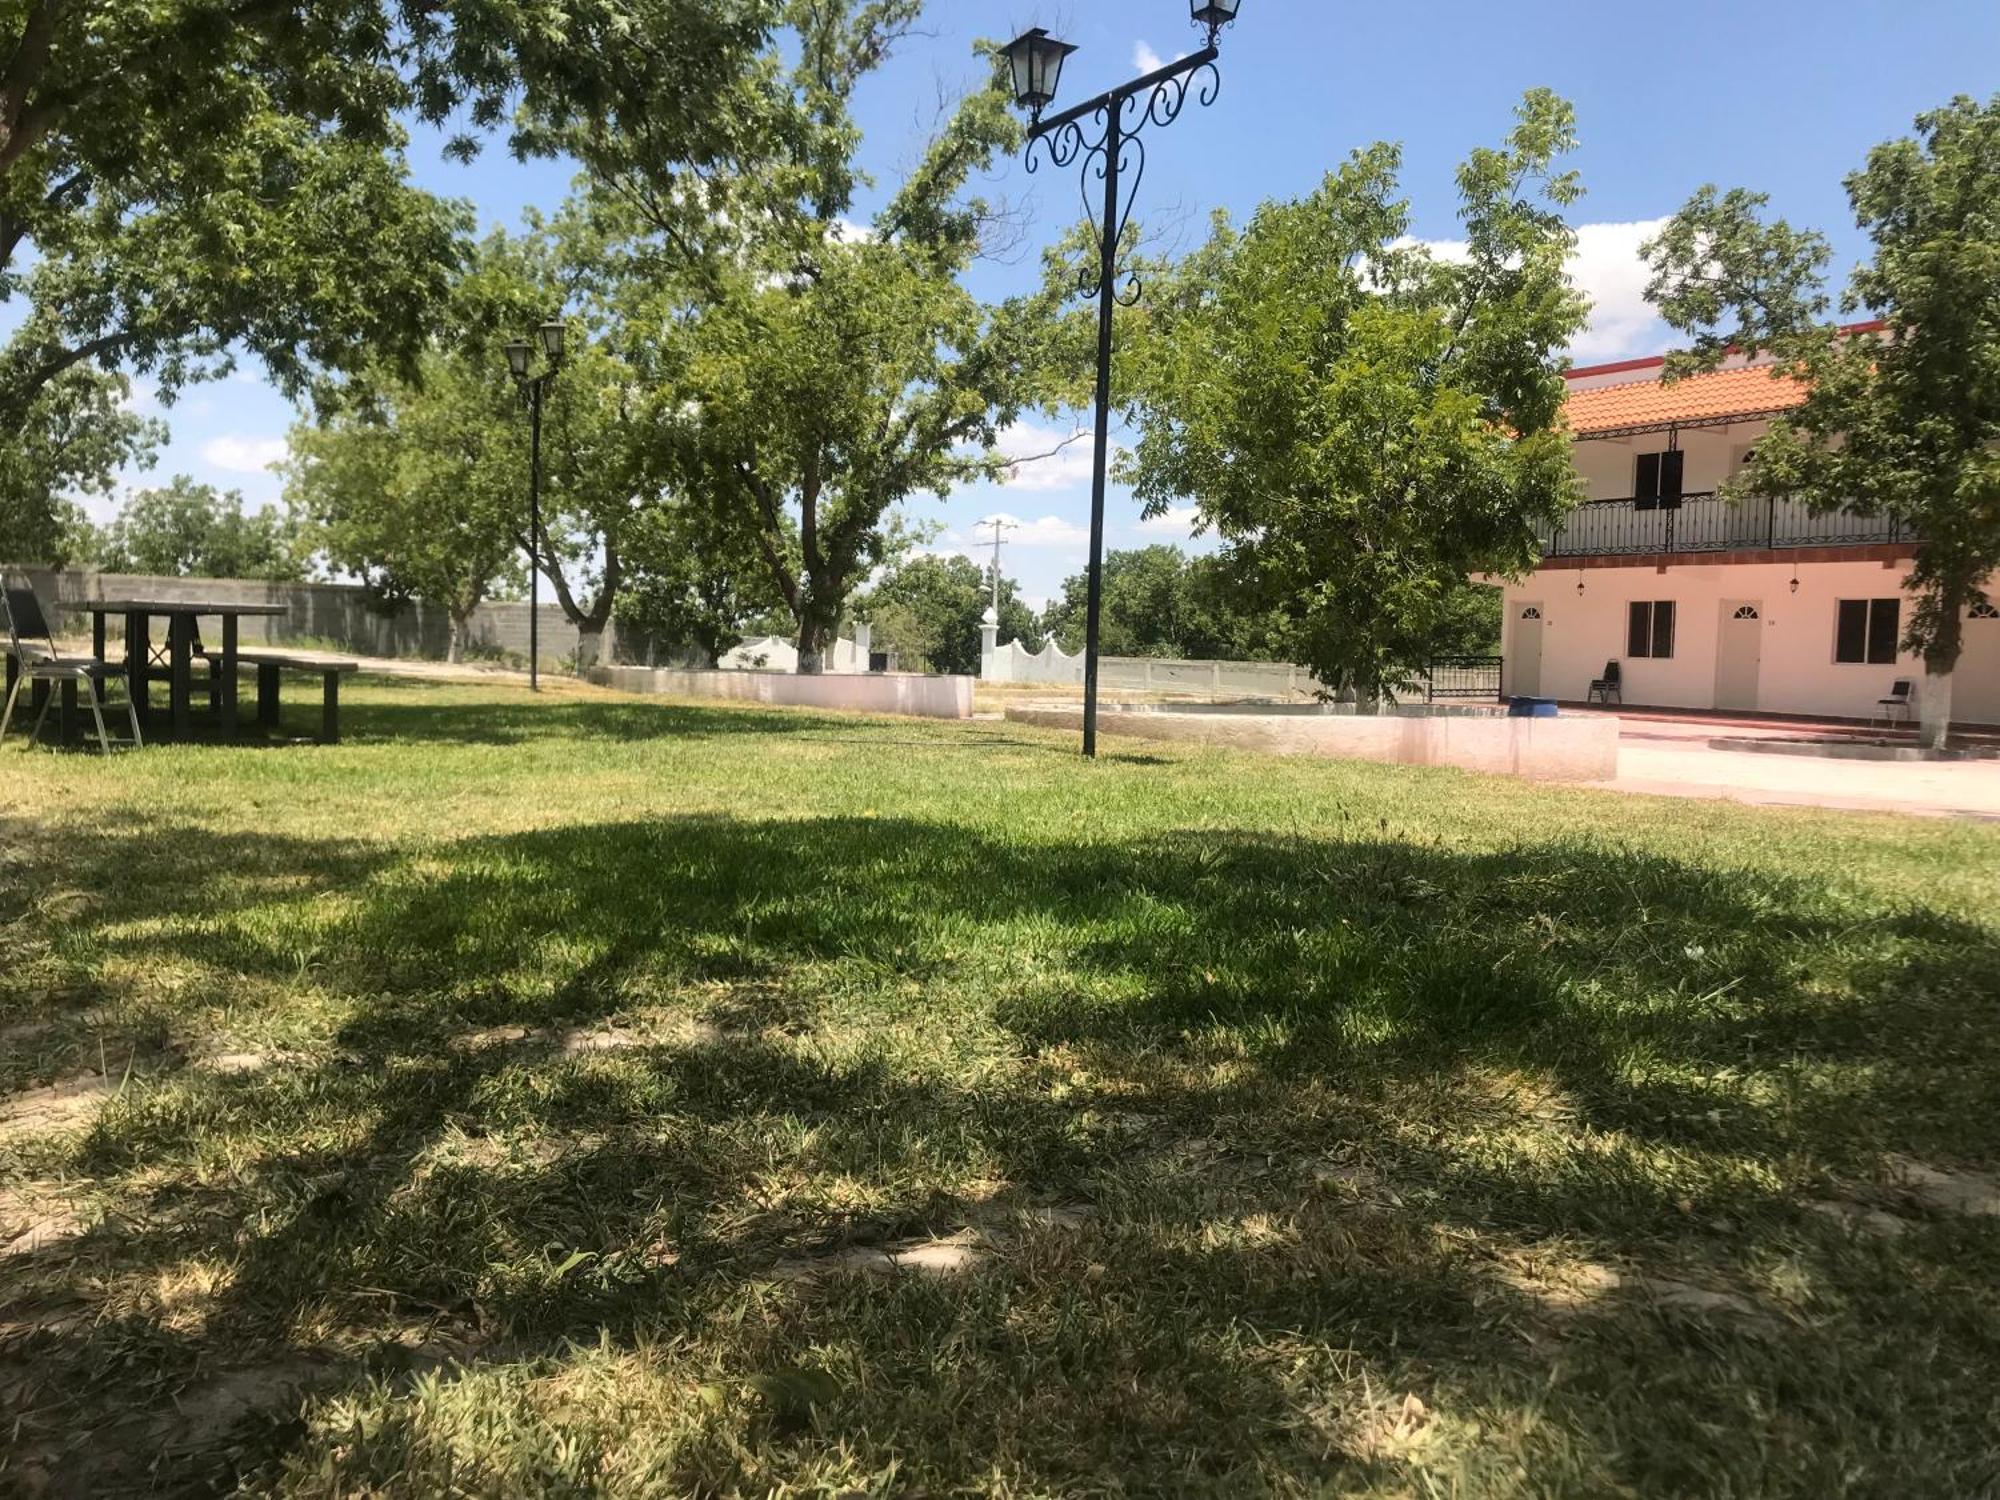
183	640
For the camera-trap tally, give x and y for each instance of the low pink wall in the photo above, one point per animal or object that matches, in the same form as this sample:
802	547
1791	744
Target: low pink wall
863	693
1572	749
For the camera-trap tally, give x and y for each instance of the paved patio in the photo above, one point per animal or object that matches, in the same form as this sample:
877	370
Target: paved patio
1672	757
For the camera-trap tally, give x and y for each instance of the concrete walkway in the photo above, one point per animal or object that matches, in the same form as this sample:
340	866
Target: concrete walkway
1672	758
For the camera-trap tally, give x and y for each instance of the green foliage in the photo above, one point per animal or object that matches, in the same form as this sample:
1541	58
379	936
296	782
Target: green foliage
75	436
1160	602
201	177
417	491
1363	423
691	581
928	610
813	375
1904	424
189	530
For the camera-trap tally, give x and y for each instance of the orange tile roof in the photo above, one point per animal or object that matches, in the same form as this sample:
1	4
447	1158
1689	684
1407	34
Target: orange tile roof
1642	404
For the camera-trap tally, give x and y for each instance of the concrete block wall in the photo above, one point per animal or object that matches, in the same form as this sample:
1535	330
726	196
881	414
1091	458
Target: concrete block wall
342	615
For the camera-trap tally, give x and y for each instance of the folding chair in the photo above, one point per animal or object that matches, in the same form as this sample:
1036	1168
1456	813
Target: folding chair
33	646
1607	687
1897	707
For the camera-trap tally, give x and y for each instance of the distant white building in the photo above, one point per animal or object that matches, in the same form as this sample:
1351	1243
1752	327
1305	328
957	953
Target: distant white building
1704	604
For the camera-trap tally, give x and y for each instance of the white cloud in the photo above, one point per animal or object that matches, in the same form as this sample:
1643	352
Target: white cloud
1046	458
1175	520
1145	59
1607	269
235	454
1047	531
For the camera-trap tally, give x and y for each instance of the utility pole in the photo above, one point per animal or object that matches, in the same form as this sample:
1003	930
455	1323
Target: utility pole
1000	527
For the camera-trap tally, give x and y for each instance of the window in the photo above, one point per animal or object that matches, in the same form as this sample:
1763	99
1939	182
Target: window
1657	483
1745	612
1985	609
1532	612
1649	628
1867	630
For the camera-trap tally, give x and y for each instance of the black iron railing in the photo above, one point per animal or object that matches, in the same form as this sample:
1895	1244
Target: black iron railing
1472	678
1707	523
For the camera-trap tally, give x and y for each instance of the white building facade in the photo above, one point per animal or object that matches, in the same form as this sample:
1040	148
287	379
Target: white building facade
1698	603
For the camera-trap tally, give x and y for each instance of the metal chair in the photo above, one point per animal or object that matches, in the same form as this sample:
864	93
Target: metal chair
1897	708
1605	688
33	647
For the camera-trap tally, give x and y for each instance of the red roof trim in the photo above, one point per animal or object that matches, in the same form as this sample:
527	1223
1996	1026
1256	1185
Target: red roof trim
1655	361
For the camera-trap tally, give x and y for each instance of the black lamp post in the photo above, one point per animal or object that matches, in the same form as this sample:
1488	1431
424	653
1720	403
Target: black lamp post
520	355
1099	133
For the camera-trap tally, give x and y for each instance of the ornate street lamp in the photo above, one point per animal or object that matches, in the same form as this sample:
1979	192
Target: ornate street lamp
1104	134
520	357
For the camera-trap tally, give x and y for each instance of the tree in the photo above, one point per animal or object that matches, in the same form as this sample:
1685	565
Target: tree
690	581
929	609
1903	424
73	439
1363	422
419	481
815	376
1160	602
190	530
417	491
197	177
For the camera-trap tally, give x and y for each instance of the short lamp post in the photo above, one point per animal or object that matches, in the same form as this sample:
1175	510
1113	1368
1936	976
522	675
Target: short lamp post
1106	135
520	359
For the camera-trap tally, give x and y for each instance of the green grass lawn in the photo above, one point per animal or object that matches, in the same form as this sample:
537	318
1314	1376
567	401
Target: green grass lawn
597	1096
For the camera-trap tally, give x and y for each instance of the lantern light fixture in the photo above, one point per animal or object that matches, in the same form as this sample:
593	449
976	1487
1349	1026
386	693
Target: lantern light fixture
519	352
1795	578
1214	14
1036	60
551	334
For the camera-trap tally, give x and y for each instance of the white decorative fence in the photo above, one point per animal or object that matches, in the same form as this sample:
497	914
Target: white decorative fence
773	653
1195	679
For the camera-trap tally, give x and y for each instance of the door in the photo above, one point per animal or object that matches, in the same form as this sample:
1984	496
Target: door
1524	659
1975	685
1739	653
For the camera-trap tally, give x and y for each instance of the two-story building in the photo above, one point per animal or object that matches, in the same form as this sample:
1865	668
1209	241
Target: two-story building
1759	607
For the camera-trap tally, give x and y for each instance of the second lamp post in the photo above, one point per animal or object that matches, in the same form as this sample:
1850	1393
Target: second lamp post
1099	133
520	357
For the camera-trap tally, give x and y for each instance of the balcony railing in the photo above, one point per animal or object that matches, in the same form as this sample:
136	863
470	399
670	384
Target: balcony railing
1705	523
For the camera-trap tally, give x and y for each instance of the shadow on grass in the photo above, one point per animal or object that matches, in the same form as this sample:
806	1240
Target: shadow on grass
842	1024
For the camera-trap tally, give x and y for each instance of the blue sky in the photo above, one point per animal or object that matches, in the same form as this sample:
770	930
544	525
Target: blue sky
1785	96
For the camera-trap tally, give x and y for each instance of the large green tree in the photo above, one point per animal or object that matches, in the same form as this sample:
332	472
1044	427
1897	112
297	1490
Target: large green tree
73	439
418	480
187	529
1363	422
1158	601
691	582
181	180
813	374
928	611
417	490
1905	423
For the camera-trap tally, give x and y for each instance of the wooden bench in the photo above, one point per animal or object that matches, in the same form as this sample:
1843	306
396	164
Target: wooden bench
271	664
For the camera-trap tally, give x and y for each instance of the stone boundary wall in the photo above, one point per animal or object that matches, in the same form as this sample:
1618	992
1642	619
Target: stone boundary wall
847	692
1572	749
338	614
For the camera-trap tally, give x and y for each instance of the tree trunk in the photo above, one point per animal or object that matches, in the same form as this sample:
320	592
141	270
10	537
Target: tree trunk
1934	711
589	646
461	630
818	631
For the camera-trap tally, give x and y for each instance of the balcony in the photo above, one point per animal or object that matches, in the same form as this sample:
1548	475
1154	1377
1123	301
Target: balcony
1704	523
